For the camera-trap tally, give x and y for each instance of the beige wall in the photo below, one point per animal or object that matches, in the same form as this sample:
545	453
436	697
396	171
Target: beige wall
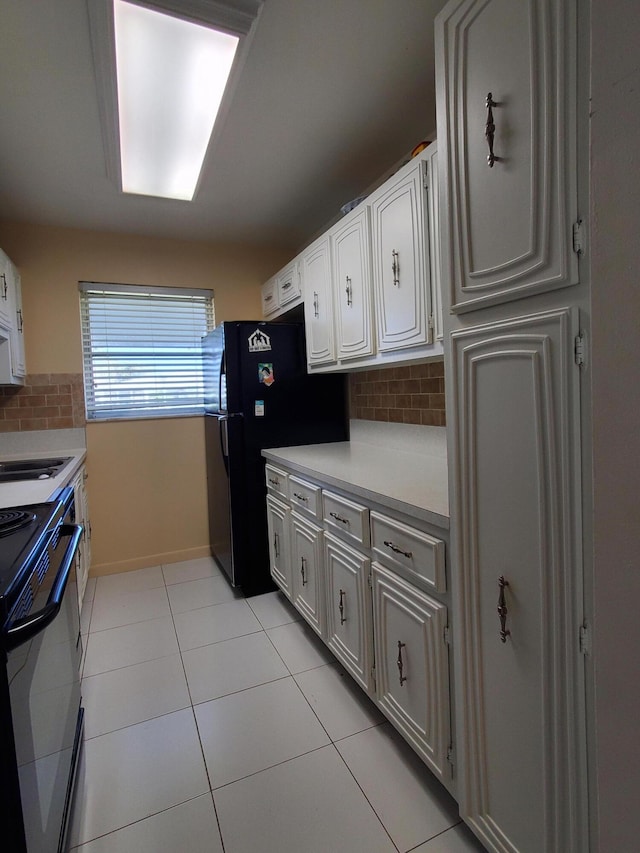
147	484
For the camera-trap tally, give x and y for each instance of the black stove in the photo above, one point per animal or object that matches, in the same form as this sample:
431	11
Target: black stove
24	532
41	714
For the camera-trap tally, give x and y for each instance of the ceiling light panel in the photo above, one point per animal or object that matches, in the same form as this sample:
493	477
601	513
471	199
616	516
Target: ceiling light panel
171	76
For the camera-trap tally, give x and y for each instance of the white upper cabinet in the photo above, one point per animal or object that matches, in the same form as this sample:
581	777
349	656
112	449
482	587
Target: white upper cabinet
12	360
507	135
352	285
400	249
283	291
315	270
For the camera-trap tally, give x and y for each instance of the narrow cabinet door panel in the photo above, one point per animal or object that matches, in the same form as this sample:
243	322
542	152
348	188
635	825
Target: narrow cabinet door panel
412	665
318	302
349	609
506	86
279	558
352	282
518	582
306	570
401	262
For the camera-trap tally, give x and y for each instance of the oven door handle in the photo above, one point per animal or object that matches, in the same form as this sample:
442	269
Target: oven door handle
27	628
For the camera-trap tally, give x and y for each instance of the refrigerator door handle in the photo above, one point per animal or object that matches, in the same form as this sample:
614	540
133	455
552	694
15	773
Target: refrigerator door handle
224	442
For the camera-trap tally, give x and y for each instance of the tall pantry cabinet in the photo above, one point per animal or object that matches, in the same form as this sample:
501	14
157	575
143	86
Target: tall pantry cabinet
513	300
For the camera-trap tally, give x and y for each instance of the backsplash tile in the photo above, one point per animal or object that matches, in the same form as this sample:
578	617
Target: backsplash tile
413	394
45	401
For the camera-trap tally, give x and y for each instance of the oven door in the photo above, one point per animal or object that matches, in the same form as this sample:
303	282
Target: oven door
43	669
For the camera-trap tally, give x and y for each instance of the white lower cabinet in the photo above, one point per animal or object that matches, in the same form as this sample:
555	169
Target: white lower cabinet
306	571
379	617
349	633
279	553
83	554
412	665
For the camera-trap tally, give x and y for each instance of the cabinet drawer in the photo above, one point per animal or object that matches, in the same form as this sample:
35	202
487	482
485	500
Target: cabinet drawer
415	554
276	481
351	520
270	301
289	287
305	496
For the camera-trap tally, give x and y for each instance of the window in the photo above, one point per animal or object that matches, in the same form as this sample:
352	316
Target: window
141	349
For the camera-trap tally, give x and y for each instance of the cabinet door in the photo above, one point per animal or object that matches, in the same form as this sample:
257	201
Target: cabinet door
279	551
306	568
412	666
83	555
353	297
508	227
6	292
349	609
401	260
519	690
18	365
318	303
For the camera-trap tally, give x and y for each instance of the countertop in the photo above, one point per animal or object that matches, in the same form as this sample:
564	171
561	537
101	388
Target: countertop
400	466
39	445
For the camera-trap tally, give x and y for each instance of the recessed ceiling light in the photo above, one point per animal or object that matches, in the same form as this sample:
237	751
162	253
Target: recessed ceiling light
162	70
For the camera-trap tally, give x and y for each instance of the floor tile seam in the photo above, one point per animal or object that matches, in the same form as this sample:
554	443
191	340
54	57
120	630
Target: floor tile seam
130	665
138	723
199	606
241	690
127	665
271	767
291	672
373	809
216	642
140	820
437	835
192	580
134	622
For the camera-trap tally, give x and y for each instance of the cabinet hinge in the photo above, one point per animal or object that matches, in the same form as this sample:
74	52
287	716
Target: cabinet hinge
425	178
431	325
585	640
451	758
370	580
578	237
580	349
447	635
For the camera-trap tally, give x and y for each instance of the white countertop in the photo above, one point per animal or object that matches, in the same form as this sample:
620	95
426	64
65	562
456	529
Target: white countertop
397	465
40	444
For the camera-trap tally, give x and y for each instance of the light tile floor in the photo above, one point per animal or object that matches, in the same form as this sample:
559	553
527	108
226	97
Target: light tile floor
215	723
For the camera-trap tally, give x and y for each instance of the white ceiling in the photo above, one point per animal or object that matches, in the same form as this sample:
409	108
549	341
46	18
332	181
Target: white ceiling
333	93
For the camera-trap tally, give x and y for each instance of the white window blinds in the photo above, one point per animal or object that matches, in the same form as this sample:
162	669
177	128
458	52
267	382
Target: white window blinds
141	349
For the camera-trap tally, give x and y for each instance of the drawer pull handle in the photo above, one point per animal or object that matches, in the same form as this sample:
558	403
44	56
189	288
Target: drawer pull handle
5	285
341	607
403	677
276	547
339	518
502	610
274	482
395	268
287	285
396	550
300	497
303	563
490	129
268	298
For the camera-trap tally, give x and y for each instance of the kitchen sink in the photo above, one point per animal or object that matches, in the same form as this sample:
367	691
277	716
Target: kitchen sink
31	469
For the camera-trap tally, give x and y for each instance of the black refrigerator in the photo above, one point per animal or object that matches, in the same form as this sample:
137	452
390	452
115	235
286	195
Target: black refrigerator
258	394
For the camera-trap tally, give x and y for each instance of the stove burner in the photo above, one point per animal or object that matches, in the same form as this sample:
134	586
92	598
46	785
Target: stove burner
14	519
